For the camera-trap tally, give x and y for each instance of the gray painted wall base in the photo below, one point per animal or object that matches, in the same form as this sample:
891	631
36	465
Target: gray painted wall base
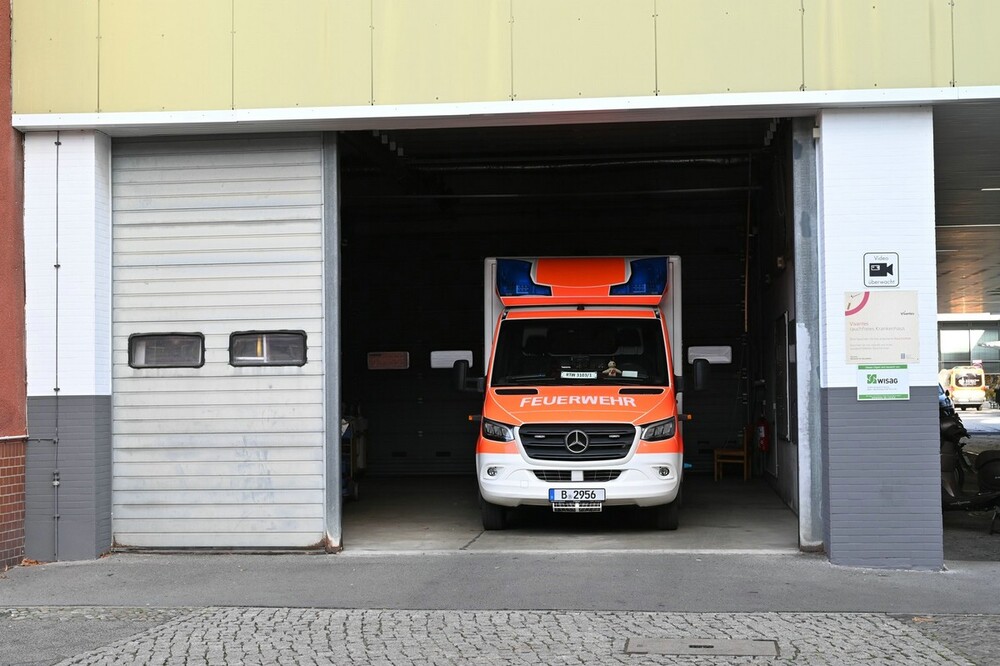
82	458
882	490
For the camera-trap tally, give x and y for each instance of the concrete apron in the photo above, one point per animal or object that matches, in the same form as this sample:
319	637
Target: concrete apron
420	514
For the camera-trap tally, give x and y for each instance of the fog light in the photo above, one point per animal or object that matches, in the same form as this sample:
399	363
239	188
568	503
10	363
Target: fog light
663	471
492	471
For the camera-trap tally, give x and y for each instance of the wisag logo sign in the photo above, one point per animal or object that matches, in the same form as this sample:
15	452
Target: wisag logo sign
883	382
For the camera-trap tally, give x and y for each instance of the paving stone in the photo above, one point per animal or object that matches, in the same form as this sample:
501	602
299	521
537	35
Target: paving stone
224	636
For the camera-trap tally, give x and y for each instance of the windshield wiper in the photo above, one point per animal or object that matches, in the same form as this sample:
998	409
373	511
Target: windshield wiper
517	379
644	379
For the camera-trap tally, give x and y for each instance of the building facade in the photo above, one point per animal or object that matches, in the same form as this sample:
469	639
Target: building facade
13	427
198	172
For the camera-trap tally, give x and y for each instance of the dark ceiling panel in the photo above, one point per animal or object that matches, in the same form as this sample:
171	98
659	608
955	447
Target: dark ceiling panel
967	161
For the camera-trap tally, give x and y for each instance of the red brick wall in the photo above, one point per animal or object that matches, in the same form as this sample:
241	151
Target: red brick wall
13	387
11	503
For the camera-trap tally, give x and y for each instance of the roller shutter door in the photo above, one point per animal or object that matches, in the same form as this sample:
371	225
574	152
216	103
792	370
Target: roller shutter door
215	236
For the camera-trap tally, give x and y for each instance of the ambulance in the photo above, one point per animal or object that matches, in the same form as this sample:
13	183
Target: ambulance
582	404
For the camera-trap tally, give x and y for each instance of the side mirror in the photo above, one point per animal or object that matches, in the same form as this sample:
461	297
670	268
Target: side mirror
461	371
462	381
701	357
700	373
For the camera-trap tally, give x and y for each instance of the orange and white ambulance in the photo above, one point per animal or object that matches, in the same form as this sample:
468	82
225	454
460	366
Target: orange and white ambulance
582	396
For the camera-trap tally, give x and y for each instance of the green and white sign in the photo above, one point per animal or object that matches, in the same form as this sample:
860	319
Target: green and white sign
883	382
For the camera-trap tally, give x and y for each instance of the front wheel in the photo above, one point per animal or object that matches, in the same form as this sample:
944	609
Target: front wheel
667	516
979	407
494	516
958	476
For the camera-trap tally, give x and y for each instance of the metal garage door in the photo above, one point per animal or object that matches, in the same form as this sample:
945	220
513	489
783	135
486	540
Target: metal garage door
215	236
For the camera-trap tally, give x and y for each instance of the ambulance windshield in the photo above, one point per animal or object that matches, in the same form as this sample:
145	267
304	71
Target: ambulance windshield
563	351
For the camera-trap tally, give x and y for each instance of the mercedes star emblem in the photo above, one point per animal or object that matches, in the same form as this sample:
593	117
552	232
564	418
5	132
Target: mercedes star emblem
577	441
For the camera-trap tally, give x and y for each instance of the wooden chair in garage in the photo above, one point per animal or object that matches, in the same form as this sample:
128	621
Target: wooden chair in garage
734	456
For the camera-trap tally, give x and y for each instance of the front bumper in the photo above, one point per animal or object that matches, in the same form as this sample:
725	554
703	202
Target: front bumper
514	482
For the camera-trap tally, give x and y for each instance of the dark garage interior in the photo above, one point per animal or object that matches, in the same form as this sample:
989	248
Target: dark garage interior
421	209
417	226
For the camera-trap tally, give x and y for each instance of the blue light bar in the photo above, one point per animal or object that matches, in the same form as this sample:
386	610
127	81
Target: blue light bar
514	279
649	277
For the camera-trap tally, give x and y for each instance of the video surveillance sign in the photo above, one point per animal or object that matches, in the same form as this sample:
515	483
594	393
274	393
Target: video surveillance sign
881	269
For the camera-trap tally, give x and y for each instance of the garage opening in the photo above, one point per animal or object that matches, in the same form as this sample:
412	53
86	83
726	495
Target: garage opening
422	209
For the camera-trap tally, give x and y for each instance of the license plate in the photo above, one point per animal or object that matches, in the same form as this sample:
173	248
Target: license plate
576	494
566	374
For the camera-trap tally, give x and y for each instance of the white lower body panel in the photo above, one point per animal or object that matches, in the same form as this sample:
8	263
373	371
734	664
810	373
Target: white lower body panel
640	483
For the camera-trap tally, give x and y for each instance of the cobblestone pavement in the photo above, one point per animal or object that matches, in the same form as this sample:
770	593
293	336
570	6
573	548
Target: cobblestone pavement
248	636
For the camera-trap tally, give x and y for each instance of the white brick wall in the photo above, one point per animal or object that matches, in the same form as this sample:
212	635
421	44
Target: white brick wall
876	192
68	183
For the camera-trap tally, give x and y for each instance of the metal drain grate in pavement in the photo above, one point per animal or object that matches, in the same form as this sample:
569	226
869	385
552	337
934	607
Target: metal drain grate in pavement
711	646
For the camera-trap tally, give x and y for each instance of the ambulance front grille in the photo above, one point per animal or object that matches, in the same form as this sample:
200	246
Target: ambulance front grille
577	507
589	475
605	441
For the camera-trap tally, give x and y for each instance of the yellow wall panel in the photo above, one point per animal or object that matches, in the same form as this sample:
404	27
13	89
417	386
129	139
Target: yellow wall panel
977	42
151	55
859	44
718	46
54	54
166	55
583	48
440	51
317	55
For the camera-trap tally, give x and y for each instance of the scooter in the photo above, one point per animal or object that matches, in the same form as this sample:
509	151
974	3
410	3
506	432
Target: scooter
954	460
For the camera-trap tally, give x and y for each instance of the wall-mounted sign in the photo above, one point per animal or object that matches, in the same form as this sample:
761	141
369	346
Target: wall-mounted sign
881	269
883	382
388	360
881	327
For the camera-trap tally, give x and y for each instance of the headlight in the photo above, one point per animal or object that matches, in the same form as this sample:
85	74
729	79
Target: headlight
660	430
496	431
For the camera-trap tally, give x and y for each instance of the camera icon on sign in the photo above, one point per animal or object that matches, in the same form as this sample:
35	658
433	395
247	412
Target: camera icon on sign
879	269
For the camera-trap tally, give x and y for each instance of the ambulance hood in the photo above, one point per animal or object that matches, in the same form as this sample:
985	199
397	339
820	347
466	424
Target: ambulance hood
579	404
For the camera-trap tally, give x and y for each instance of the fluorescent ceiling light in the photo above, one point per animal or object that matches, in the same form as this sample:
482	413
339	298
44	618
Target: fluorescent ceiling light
991	189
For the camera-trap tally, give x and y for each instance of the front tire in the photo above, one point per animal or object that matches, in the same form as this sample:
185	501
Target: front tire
667	516
958	475
494	516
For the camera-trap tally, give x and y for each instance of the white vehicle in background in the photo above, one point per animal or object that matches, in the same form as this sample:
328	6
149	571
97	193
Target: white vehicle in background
966	385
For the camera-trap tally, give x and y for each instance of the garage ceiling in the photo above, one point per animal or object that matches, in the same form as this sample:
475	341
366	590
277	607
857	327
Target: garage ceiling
967	194
597	141
967	166
578	161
